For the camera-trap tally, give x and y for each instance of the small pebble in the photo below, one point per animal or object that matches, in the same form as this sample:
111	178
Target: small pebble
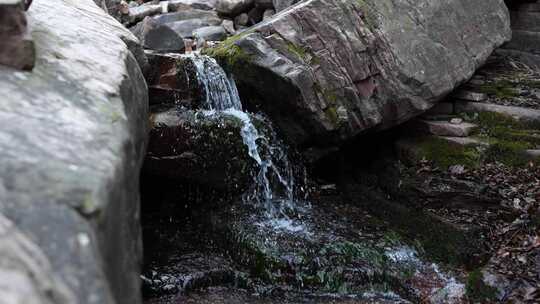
456	121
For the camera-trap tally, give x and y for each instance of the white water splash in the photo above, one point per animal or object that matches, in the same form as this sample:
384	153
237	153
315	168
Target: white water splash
274	182
220	89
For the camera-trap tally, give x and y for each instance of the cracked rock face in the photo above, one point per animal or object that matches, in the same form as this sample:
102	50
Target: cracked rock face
326	71
71	143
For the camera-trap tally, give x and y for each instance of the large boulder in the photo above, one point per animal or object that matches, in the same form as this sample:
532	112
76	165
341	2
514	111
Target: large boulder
17	49
167	32
326	71
71	143
26	276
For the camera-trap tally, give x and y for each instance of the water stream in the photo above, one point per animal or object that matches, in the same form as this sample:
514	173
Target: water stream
274	182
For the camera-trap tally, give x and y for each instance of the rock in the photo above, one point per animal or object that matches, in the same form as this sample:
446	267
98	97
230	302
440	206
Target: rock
185	28
523	114
456	121
241	20
264	4
158	37
178	5
184	145
228	25
469	96
442	108
138	13
209	17
268	13
280	5
17	48
172	79
210	33
464	141
233	7
26	276
72	142
525	41
112	7
444	128
533	154
526	34
255	15
376	73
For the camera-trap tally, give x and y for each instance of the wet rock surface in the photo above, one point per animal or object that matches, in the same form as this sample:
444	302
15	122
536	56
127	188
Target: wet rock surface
73	137
329	252
184	145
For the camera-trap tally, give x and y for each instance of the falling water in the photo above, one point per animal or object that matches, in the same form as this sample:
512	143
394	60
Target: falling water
274	181
220	89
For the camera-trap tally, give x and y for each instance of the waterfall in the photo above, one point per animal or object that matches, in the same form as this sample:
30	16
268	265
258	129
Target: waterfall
220	89
273	185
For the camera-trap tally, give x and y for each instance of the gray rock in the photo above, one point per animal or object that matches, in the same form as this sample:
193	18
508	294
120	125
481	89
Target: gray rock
444	128
233	7
228	25
138	13
268	13
185	28
280	5
241	20
158	37
525	41
442	108
469	96
255	15
17	48
72	141
26	276
209	17
322	60
210	33
178	5
264	4
525	21
111	7
523	114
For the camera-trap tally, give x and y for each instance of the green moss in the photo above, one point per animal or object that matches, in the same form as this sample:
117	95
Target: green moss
477	290
502	89
331	114
508	138
444	153
299	51
228	52
509	153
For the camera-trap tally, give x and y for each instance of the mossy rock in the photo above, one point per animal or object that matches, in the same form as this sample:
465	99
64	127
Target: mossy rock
183	145
441	152
477	291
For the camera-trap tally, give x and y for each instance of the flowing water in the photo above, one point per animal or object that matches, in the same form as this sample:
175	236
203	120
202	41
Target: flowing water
274	182
336	250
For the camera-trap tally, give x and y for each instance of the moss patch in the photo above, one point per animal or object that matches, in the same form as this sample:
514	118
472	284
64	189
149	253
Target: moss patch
502	89
228	52
477	290
444	153
507	136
